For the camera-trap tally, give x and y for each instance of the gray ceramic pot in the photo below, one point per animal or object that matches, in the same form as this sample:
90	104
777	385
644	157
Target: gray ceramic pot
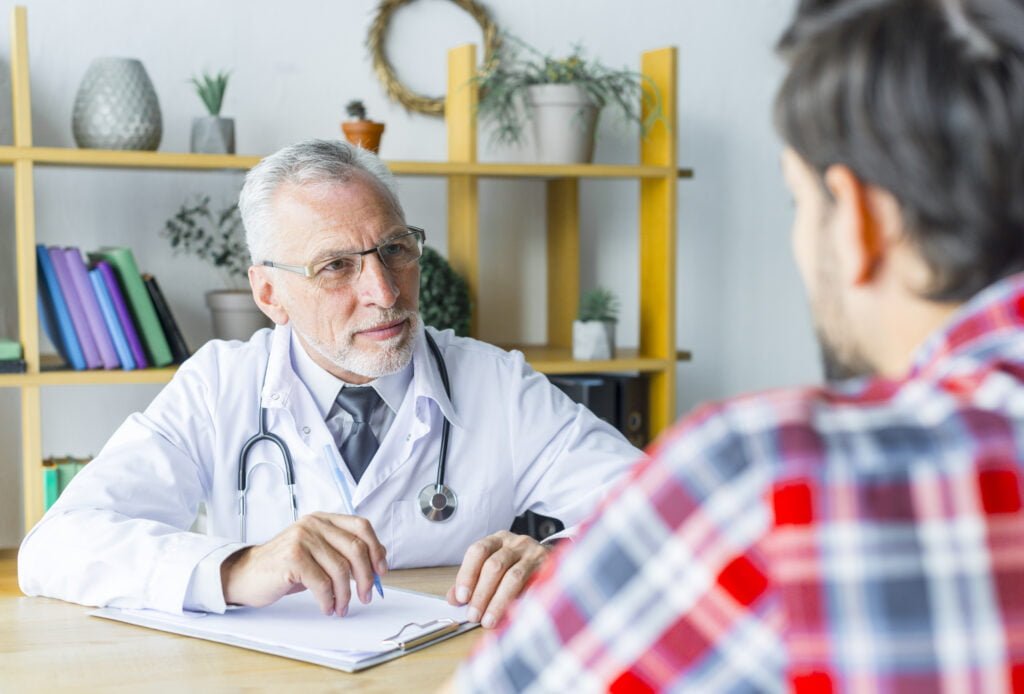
116	107
213	135
235	314
564	123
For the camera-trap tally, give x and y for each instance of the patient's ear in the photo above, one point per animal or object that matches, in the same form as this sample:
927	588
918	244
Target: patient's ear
267	295
860	228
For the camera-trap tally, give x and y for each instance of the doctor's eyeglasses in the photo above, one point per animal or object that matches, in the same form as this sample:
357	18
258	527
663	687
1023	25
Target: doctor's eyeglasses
341	270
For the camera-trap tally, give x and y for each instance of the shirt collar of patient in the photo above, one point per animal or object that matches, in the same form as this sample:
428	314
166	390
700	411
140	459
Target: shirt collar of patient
324	386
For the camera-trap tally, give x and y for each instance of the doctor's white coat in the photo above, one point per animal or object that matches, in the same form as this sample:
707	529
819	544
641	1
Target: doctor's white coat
119	534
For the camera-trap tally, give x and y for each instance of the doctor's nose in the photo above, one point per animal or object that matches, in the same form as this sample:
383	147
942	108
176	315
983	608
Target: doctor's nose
376	284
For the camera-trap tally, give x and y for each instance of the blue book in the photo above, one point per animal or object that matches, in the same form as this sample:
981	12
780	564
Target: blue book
56	318
124	353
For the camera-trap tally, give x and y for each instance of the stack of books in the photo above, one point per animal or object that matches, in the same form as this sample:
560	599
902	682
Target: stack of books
10	357
105	314
57	473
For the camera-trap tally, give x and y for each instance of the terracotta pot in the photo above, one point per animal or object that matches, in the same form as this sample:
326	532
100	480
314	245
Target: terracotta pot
363	133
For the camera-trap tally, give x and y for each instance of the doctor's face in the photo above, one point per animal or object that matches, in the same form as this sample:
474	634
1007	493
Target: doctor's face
363	329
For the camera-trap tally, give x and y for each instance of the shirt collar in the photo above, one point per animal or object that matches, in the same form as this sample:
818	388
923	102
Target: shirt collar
324	386
988	325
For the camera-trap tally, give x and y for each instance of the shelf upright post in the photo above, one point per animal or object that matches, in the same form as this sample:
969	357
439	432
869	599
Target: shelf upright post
25	262
563	248
658	238
463	200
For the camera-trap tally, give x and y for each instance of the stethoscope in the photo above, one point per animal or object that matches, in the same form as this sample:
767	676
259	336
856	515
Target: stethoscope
437	501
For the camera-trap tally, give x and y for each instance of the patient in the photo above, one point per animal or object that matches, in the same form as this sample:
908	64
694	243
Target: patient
866	535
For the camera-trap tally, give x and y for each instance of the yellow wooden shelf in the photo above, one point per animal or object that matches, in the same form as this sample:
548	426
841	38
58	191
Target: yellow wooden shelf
558	360
108	158
95	377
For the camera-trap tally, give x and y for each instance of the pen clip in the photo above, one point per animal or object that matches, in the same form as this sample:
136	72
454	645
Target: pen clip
442	627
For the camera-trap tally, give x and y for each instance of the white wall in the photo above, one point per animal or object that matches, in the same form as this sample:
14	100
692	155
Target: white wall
294	66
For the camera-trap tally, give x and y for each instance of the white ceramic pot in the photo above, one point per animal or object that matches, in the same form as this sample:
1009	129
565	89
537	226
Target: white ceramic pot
235	314
213	135
593	339
564	122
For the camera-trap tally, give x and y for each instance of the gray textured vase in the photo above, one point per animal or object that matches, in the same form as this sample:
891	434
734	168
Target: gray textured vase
564	123
116	107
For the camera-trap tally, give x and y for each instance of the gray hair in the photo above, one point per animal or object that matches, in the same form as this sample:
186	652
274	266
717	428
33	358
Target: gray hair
311	162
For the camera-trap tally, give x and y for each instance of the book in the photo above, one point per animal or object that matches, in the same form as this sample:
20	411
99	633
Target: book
124	354
55	315
124	316
12	366
50	484
158	352
91	308
179	349
78	320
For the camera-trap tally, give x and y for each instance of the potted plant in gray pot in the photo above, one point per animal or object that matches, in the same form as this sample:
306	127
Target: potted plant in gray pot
593	333
562	97
219	239
212	134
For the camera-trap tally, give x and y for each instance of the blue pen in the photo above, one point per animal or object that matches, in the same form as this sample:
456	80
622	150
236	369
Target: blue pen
332	455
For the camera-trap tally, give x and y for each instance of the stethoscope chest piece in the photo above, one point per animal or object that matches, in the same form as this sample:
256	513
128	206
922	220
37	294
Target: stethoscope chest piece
437	502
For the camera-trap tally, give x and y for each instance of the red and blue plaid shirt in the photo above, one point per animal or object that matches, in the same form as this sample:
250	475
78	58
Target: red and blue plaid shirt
867	537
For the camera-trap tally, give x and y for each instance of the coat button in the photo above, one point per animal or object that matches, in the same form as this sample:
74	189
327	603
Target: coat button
275	396
306	430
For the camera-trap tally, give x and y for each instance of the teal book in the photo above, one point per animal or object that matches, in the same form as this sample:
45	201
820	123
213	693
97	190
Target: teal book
51	486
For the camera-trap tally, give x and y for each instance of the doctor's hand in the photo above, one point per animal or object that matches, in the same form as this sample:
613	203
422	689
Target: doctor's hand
493	574
319	552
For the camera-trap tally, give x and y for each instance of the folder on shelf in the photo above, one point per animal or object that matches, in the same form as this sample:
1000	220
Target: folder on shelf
124	316
50	484
157	350
179	349
78	319
91	308
124	354
55	315
294	627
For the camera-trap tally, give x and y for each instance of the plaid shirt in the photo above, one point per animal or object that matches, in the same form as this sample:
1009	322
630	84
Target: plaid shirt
867	537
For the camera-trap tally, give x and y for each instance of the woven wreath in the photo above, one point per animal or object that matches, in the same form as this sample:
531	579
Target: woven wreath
386	73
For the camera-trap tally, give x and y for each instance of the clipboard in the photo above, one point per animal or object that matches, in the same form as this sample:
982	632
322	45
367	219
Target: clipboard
300	609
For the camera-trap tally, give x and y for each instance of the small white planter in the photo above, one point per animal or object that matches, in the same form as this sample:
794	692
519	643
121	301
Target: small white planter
593	339
564	121
235	314
213	135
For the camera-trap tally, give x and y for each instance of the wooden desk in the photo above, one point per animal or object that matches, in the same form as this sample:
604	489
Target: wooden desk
49	644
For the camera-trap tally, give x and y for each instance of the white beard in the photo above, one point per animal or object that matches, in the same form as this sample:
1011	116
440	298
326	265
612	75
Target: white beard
390	356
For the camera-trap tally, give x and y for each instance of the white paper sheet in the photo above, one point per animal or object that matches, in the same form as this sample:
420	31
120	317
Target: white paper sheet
296	622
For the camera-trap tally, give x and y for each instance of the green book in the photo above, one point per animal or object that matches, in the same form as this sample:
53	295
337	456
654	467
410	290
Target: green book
50	484
67	468
10	350
153	336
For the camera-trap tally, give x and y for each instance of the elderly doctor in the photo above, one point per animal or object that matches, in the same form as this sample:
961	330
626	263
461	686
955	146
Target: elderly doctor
349	382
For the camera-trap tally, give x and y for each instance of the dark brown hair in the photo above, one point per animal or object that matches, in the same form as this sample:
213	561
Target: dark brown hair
924	98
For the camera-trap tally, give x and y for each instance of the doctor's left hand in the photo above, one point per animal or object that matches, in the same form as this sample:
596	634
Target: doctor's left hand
493	574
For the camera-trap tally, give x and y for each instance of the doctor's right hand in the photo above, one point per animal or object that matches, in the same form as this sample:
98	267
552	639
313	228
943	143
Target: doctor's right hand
321	552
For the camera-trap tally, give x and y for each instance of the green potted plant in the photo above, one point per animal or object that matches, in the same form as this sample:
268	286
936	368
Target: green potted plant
593	333
212	134
444	295
359	130
218	238
562	97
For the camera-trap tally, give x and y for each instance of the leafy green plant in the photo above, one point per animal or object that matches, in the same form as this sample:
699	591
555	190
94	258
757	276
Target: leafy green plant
217	237
599	304
210	89
356	110
516	66
444	295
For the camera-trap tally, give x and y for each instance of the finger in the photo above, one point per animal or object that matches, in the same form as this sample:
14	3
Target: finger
318	582
337	568
472	563
491	574
511	585
356	553
450	596
363	529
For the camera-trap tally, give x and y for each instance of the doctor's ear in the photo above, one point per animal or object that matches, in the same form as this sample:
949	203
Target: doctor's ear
266	295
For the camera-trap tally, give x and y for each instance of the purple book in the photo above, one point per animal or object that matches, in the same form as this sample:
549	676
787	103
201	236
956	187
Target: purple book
124	316
91	306
78	319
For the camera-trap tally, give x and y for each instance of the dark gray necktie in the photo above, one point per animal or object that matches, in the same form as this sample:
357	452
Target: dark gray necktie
358	448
